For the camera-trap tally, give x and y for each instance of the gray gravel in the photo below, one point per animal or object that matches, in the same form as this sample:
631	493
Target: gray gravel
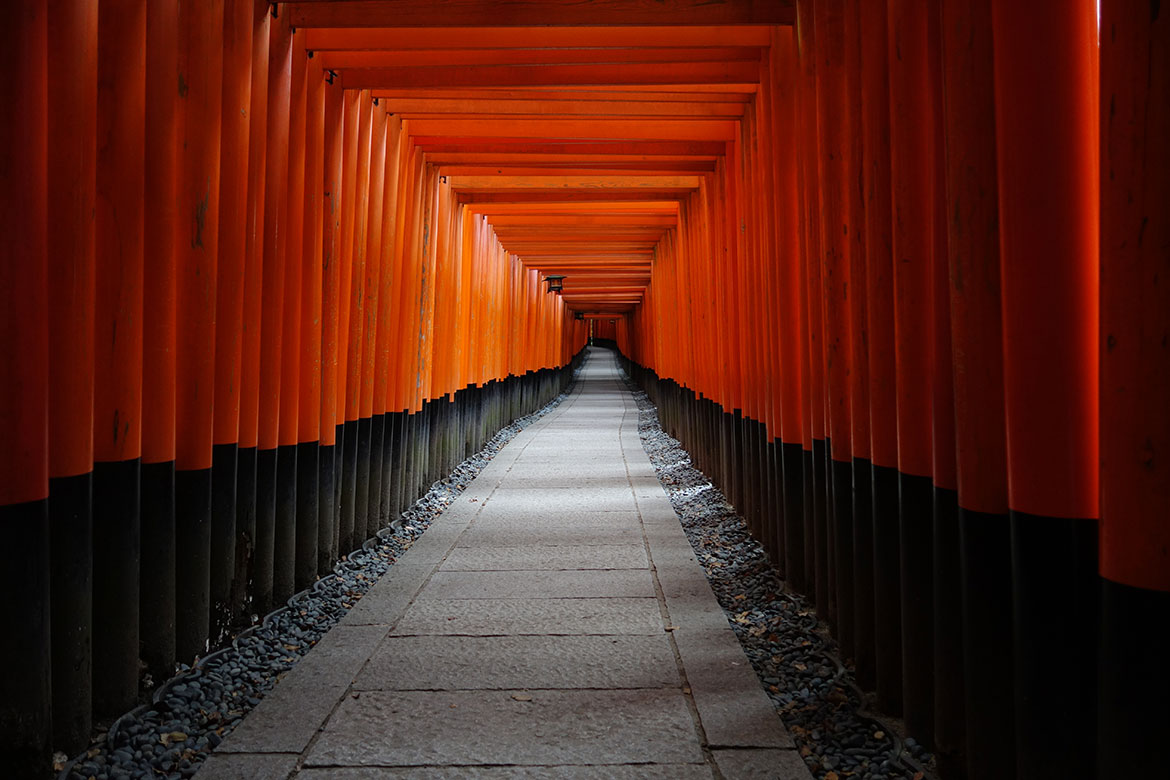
195	710
790	649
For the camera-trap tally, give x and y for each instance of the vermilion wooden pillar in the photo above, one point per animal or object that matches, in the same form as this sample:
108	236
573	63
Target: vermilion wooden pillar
201	68
976	333
72	133
1135	385
25	730
1046	134
292	258
912	175
118	385
254	303
834	169
947	617
331	422
229	280
861	467
272	319
229	302
309	422
386	335
163	229
879	280
375	267
815	479
358	318
347	400
788	226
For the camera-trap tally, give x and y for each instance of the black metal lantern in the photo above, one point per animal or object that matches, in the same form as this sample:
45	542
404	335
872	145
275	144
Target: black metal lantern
555	282
579	315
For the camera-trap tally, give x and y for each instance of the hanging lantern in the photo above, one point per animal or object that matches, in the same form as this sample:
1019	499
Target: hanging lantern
555	282
579	315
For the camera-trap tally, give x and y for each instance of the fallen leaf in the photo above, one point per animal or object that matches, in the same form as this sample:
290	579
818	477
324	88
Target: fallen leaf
831	776
879	735
670	628
521	697
174	736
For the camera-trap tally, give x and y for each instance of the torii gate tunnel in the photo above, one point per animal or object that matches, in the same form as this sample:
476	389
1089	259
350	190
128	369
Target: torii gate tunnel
896	272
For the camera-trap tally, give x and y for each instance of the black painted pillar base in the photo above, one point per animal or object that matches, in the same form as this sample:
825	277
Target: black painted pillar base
308	495
842	514
284	544
735	465
1133	721
810	532
25	724
361	496
409	459
985	552
864	653
385	513
820	537
326	509
373	511
345	531
950	726
157	571
116	505
192	562
338	480
224	465
792	476
916	501
245	533
397	421
1056	597
71	597
263	557
887	592
774	506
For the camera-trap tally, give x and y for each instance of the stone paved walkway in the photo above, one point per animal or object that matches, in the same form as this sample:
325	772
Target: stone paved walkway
551	623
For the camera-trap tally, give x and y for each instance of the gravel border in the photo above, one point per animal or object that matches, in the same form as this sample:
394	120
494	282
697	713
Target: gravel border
193	712
791	650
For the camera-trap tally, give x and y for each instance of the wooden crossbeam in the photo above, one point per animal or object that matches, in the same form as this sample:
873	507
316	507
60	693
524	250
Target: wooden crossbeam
537	13
739	75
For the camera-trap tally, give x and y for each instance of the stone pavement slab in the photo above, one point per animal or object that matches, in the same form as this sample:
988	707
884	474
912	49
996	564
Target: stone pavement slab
553	622
497	727
761	765
580	584
245	766
497	534
512	662
603	772
529	556
519	497
482	617
599	522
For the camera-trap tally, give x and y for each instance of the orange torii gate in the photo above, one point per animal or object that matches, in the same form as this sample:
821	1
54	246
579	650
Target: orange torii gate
894	271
